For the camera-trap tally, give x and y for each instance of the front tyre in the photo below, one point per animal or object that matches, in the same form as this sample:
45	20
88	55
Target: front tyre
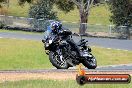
90	63
55	60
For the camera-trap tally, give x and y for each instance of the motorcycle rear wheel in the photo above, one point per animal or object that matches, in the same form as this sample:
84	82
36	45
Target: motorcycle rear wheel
56	63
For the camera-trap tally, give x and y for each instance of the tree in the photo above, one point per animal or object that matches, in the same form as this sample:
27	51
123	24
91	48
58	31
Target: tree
121	10
121	13
67	5
42	11
84	10
2	1
21	2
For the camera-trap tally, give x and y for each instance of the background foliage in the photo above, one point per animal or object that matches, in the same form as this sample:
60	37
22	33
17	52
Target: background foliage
121	11
42	10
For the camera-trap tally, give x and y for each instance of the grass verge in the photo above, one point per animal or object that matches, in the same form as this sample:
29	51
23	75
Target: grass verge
57	84
16	31
111	56
99	14
22	54
29	54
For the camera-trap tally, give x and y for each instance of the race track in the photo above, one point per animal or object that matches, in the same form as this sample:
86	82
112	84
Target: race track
102	42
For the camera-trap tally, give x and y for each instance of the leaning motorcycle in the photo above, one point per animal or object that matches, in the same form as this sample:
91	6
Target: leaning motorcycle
62	54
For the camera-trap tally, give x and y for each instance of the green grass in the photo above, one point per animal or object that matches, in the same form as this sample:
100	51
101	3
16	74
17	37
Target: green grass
58	84
112	56
16	10
99	14
27	54
18	31
22	54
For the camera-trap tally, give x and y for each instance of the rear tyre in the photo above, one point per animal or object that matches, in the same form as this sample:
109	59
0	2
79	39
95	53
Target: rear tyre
90	63
55	60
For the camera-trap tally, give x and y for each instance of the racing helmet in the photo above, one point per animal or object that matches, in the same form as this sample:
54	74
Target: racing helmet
56	25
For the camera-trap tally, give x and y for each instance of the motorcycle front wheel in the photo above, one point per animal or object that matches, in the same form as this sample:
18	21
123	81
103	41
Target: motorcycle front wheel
90	63
58	62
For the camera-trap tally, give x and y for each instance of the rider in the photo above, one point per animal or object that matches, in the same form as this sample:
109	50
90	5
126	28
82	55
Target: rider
53	28
56	27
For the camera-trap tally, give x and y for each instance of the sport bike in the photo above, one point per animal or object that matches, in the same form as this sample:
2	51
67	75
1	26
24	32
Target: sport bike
64	52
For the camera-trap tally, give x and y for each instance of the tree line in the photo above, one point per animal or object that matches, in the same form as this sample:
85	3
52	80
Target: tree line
121	9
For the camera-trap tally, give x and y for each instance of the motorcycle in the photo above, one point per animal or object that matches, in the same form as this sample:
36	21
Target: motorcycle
63	55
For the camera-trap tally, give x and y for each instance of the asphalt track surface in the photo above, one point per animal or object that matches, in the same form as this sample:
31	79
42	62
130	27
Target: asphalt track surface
68	71
109	68
102	42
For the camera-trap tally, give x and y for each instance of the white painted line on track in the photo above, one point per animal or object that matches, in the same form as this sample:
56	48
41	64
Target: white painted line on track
107	66
118	49
115	65
125	50
110	48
